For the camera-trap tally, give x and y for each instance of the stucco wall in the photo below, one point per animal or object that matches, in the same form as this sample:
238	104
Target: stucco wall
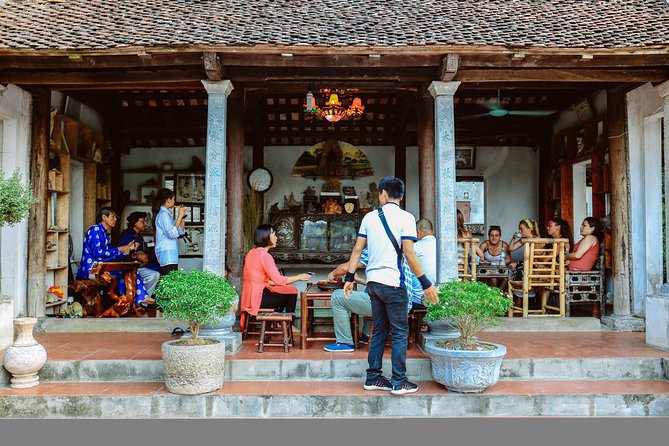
15	114
644	109
510	174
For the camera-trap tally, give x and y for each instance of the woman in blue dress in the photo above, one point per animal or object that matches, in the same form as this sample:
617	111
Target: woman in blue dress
167	230
97	248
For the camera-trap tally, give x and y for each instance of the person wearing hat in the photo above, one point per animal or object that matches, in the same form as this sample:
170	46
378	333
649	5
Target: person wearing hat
150	270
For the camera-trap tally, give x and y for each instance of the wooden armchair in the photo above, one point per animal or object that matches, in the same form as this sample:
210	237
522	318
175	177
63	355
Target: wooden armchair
543	272
588	287
467	258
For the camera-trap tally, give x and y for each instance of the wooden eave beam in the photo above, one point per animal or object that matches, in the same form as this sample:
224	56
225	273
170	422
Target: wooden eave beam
562	75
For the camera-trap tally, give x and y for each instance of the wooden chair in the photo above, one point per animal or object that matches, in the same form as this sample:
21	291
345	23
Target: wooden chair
588	287
252	326
543	271
467	258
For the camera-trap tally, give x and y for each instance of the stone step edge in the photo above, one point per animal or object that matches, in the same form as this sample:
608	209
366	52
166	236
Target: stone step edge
369	404
354	369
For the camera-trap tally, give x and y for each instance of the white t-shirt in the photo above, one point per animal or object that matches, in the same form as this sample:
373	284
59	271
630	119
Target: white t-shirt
426	251
383	264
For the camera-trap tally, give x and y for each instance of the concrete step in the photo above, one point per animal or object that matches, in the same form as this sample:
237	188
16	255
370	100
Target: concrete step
343	369
316	399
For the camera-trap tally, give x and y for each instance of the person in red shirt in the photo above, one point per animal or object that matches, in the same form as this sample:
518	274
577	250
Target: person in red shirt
586	251
263	286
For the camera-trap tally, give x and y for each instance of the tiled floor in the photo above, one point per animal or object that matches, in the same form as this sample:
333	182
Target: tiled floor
144	346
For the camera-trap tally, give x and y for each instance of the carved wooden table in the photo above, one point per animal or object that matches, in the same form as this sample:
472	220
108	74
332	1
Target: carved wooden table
125	302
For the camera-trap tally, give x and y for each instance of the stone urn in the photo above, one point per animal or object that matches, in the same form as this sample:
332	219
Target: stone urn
193	369
443	328
26	356
221	327
466	371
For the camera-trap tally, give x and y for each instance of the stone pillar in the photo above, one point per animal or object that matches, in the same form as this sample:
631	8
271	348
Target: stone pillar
657	306
215	181
444	147
663	90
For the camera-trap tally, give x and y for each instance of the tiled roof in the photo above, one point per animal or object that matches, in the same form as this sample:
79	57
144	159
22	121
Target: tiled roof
99	24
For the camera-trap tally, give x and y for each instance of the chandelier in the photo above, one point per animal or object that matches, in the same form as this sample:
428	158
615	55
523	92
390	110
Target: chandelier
333	109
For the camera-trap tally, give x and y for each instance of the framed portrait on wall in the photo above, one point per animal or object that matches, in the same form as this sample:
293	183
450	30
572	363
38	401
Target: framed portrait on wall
189	187
464	157
193	244
583	111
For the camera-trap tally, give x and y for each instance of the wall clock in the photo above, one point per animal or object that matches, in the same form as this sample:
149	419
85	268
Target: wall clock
260	179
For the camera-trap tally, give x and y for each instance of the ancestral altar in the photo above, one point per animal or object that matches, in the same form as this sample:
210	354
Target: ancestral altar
313	238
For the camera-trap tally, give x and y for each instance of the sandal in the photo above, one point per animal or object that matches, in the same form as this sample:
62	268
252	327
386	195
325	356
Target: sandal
178	331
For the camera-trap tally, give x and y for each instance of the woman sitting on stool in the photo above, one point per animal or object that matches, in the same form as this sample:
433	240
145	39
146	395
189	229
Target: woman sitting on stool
263	286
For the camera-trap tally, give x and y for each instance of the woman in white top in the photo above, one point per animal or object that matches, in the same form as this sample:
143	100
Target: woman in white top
167	230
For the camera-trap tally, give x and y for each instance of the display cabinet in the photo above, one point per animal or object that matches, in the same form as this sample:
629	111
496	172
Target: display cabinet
314	238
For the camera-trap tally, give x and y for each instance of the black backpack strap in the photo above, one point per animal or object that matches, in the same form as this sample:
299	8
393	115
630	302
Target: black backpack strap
398	250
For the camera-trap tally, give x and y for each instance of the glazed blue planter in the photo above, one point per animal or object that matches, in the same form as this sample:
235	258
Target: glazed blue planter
466	371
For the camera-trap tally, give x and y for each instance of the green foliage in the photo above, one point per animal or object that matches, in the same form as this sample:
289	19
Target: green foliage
472	306
15	199
200	297
252	211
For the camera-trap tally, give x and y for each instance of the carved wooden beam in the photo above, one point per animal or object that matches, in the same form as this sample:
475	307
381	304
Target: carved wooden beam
449	67
213	66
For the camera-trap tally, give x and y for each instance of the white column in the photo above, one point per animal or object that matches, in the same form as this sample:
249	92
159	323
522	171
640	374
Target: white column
216	153
663	91
444	147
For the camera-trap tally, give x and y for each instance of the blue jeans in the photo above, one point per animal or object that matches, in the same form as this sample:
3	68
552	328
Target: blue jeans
389	311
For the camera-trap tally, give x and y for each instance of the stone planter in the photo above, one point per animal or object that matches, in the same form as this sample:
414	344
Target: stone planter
221	328
465	371
26	356
192	370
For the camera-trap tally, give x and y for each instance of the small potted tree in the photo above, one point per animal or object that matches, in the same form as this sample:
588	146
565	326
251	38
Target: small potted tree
194	365
465	364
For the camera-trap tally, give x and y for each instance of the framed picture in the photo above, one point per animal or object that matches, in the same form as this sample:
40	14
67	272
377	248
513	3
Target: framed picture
464	157
146	194
192	245
189	187
582	110
168	180
286	229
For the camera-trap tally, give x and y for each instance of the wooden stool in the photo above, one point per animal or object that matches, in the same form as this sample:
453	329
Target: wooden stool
276	320
252	326
416	324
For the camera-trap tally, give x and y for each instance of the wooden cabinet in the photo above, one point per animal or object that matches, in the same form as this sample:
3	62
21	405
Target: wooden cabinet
317	238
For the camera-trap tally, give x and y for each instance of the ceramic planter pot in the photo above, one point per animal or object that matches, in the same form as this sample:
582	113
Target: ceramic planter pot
26	356
192	370
443	328
466	371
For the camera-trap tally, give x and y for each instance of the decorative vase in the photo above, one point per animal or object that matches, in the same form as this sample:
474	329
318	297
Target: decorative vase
26	356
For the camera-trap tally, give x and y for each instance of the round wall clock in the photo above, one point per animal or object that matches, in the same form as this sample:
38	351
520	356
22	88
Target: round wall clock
260	179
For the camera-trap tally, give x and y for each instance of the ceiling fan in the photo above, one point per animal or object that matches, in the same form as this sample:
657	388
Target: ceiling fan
497	111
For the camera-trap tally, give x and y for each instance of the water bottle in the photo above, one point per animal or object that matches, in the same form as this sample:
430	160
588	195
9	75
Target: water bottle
502	259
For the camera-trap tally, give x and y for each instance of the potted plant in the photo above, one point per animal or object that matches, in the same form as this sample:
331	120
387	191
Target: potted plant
194	365
465	364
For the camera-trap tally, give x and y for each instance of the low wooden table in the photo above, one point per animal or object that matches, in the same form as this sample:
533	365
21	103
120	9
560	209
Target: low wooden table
308	300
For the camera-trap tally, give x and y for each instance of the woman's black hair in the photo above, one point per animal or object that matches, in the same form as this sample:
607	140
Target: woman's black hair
162	196
261	236
598	228
494	228
565	230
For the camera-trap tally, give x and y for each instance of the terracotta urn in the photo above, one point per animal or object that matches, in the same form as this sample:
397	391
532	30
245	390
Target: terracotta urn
26	356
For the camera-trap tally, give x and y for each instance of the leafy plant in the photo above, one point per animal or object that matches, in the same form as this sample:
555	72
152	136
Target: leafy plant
16	199
252	212
200	297
471	306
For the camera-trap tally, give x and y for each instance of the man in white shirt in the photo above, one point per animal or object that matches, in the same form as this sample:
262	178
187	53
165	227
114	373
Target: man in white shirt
383	231
426	248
